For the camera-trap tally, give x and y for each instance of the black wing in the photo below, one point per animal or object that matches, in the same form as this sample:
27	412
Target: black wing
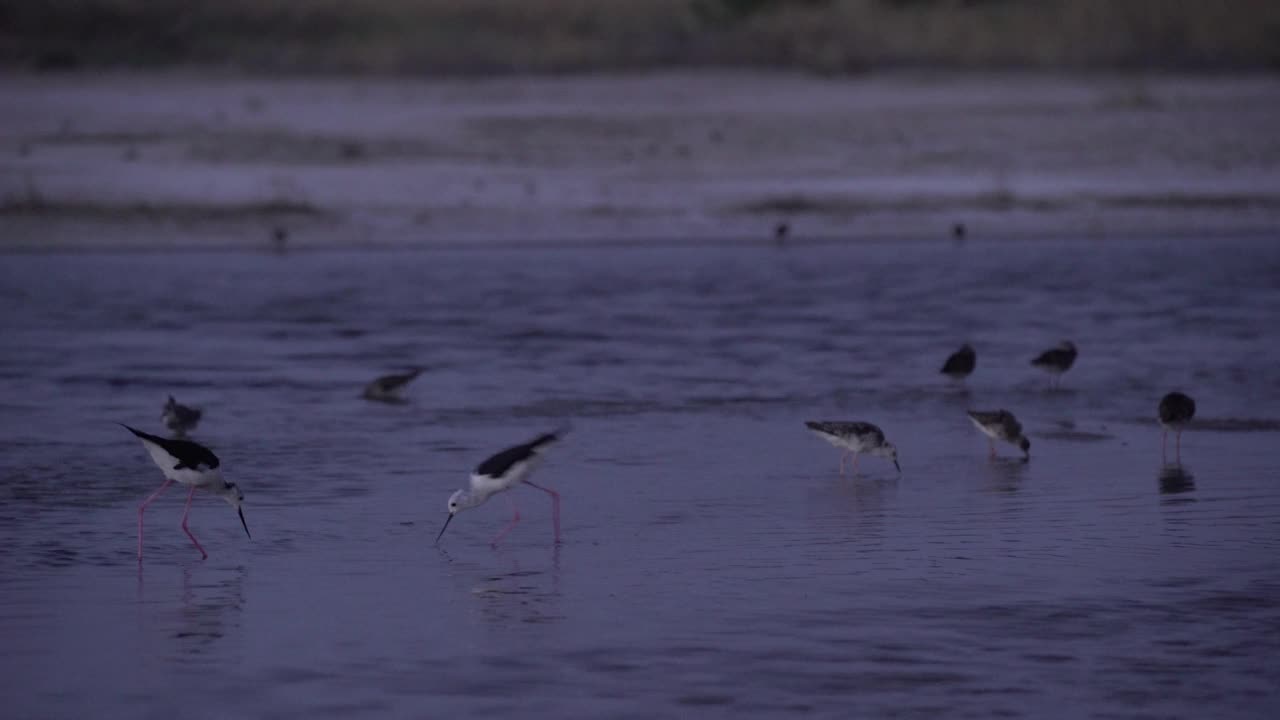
499	464
189	454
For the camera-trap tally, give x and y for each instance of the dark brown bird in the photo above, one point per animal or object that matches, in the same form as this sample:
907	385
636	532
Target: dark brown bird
1056	361
1001	425
1175	413
387	388
961	363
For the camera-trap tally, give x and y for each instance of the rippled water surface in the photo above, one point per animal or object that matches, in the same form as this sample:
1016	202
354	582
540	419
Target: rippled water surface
714	561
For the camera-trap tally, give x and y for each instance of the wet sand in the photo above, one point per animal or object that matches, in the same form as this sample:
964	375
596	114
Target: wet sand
181	161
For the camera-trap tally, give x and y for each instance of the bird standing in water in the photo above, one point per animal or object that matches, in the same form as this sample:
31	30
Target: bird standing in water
855	438
1175	413
1001	425
179	418
504	471
191	464
961	363
387	388
1056	361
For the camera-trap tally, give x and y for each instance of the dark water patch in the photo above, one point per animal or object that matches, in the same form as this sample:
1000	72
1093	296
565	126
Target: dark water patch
1240	425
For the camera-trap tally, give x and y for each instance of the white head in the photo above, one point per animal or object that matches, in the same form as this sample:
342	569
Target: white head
890	451
460	500
234	497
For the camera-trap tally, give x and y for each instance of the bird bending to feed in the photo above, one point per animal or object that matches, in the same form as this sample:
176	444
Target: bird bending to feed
961	363
502	472
855	438
1175	412
781	231
1001	425
387	388
179	418
191	464
1056	360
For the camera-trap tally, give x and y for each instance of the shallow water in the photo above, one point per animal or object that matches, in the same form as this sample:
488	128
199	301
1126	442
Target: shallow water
713	560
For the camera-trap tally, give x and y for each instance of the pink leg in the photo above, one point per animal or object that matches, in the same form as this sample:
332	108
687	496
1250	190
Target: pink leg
853	467
515	518
1179	446
555	507
992	445
143	507
187	511
1164	444
843	455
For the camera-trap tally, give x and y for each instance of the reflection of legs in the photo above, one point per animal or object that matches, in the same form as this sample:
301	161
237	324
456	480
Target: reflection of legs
515	518
187	511
555	506
143	507
1178	443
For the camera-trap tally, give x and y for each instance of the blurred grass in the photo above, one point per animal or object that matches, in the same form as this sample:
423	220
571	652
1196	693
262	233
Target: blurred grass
493	36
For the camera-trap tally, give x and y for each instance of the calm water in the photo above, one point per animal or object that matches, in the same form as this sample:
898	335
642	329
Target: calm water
714	561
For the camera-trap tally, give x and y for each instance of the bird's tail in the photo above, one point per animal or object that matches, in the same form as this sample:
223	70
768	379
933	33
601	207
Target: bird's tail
138	433
547	438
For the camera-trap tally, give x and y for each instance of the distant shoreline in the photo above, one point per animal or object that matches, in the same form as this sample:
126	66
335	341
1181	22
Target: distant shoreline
497	37
175	161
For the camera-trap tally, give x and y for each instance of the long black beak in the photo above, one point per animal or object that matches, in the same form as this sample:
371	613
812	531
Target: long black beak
446	525
897	466
242	522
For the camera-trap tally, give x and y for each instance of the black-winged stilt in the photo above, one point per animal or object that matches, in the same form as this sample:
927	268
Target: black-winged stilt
193	465
504	471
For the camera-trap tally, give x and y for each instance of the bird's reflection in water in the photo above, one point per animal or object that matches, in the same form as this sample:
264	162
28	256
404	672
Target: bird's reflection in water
853	507
514	594
1005	474
210	609
1176	479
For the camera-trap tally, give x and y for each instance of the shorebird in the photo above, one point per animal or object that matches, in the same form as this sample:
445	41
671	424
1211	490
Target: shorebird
1001	425
279	238
179	418
1175	413
504	471
191	464
1056	360
387	388
855	438
961	363
780	232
